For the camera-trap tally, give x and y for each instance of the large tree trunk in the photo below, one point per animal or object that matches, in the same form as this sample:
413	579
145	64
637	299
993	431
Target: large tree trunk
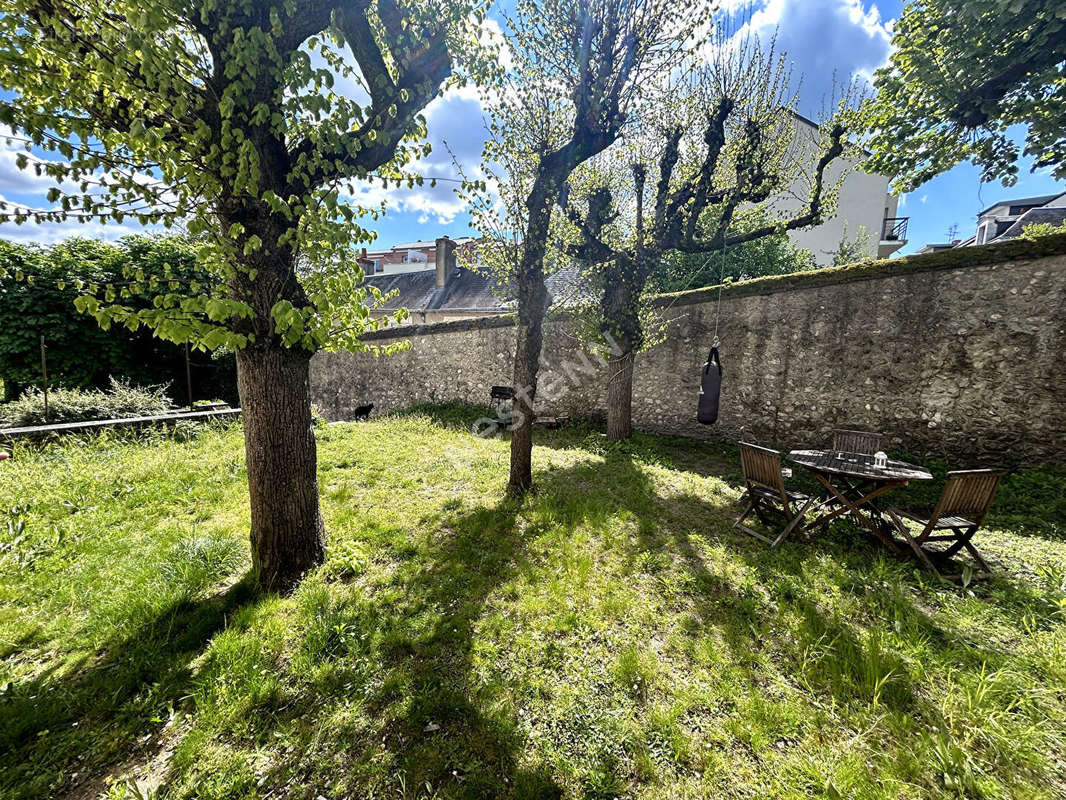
532	305
620	397
526	364
620	310
287	531
552	173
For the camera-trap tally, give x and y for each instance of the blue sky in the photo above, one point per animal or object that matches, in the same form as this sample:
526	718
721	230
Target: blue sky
827	40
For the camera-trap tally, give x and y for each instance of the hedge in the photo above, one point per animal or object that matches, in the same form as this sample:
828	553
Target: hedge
79	353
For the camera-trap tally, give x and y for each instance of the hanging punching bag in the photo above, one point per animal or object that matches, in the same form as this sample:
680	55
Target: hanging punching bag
710	387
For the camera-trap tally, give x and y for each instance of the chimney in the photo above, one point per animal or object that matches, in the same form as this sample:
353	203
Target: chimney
365	263
445	260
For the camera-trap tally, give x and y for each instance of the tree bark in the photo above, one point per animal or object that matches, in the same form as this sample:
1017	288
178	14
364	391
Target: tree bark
620	311
552	173
526	364
287	534
620	397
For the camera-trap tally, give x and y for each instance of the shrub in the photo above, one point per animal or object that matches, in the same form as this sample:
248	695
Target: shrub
81	354
78	405
1037	230
769	255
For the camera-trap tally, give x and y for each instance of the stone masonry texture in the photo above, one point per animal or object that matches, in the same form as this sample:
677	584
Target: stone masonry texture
956	357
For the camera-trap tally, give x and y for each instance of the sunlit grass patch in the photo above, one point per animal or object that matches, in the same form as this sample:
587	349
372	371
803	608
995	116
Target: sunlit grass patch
609	637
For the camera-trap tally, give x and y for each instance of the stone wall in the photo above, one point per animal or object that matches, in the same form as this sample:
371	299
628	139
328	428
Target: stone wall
957	354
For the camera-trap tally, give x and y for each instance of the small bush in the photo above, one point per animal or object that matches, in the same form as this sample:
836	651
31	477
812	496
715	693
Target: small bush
78	405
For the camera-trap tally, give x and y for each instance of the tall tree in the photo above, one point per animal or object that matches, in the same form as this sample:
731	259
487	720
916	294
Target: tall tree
961	73
723	139
578	68
222	115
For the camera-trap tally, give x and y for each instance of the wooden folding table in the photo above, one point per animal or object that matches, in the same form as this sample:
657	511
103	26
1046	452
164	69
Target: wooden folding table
854	483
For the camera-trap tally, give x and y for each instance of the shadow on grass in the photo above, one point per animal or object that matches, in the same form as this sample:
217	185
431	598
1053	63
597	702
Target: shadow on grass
409	644
402	654
750	626
441	728
1031	501
58	733
822	646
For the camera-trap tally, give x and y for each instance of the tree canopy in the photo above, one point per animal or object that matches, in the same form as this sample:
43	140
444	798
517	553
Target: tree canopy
227	118
697	176
578	69
961	73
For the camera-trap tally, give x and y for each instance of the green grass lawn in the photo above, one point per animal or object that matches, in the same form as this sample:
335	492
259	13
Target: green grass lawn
611	637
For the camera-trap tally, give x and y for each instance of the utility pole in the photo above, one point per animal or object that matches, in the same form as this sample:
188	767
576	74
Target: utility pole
44	376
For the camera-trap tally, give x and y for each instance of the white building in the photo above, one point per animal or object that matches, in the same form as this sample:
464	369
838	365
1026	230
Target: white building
996	221
1008	218
864	202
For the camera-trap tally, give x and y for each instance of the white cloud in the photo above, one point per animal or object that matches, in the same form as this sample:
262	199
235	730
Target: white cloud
52	232
828	42
27	184
456	128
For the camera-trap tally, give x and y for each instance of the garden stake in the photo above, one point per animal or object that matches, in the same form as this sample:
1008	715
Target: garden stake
188	377
44	377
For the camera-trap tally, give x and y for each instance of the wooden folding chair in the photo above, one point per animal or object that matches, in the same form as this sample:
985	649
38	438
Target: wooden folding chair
962	507
766	493
848	441
845	441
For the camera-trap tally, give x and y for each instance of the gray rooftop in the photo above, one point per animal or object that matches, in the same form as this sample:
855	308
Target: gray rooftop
427	243
470	291
1039	200
1033	216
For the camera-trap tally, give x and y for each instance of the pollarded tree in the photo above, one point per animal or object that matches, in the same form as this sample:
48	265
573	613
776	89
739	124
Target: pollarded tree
768	255
961	73
578	69
221	115
711	149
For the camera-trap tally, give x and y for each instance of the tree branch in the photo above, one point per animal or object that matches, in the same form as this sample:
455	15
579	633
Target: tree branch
394	102
812	215
592	249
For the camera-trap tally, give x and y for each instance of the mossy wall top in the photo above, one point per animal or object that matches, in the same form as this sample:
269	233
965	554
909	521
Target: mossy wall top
957	354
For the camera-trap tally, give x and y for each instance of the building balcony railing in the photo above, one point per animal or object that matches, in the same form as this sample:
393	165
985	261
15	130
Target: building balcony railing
894	229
